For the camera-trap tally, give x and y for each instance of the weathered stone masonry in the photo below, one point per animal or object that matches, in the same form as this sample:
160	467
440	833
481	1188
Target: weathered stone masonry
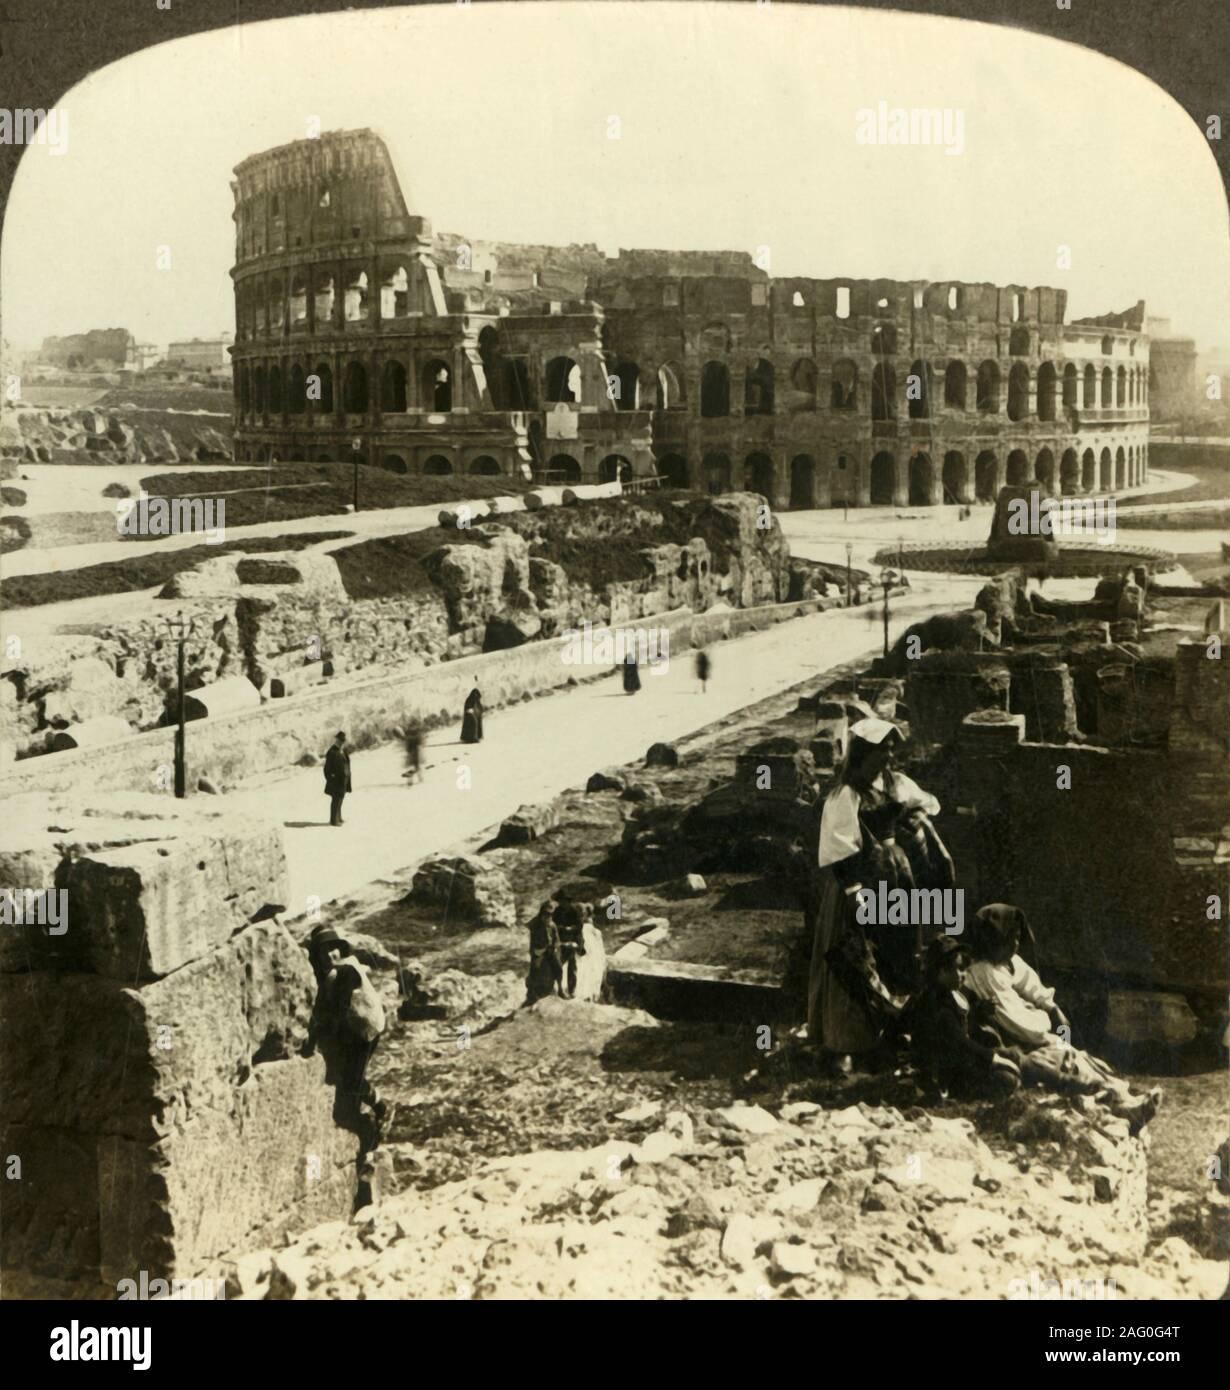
440	355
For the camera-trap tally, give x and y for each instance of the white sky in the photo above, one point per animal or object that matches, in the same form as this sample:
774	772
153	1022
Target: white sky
737	130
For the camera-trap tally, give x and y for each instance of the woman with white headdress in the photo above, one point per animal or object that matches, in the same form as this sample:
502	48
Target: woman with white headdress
849	1001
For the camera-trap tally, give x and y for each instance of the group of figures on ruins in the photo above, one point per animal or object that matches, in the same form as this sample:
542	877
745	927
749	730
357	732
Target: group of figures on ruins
977	1016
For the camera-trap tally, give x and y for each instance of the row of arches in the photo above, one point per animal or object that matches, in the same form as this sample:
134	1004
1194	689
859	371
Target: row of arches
325	296
269	390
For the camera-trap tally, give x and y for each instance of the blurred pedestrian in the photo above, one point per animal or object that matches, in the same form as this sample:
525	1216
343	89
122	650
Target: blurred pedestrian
703	668
632	677
472	717
414	752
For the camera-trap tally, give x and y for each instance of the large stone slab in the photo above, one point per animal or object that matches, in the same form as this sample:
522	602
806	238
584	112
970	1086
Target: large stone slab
466	888
272	1163
86	1054
152	882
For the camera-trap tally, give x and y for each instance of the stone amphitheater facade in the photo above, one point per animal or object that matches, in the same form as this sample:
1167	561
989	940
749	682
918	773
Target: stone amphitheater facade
361	334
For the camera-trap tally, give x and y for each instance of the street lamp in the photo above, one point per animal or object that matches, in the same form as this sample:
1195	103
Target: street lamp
887	579
849	553
356	446
180	628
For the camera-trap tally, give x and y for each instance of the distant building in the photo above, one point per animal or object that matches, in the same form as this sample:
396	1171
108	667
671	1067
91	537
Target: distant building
100	350
200	354
1172	371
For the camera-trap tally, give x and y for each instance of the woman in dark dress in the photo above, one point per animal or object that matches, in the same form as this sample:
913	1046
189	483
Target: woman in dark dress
859	975
632	677
472	718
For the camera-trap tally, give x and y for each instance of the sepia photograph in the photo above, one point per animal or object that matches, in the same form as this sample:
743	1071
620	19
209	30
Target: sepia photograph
613	666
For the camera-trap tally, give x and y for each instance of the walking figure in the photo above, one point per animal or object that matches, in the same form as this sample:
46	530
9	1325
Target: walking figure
632	677
703	668
414	752
472	717
337	778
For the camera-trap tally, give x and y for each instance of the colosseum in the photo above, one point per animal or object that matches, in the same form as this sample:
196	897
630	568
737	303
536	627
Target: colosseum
360	333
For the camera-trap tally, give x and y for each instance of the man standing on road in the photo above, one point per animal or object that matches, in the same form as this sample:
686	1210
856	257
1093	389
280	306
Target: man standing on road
337	778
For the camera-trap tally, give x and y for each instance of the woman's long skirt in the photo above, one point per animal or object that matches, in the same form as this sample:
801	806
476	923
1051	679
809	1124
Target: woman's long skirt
472	726
835	1018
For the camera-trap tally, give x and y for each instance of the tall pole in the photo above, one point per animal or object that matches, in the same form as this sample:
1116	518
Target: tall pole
849	552
887	585
181	776
355	446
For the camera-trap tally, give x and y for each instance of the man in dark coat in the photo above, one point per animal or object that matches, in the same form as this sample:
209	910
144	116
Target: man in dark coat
337	778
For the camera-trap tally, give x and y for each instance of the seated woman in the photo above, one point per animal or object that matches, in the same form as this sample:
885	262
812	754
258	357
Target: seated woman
949	1053
856	977
1024	1012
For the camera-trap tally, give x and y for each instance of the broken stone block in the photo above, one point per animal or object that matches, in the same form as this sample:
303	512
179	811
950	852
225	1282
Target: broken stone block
91	733
528	823
159	1054
469	888
745	1119
144	909
689	886
945	687
662	755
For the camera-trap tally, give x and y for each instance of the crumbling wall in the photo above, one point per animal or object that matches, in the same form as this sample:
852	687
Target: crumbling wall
150	1063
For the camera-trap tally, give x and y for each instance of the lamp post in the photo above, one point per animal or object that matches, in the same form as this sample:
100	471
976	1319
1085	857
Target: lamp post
180	628
886	579
849	553
356	447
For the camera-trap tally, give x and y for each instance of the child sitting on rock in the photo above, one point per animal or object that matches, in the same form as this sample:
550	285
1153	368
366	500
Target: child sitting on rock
1024	1012
950	1053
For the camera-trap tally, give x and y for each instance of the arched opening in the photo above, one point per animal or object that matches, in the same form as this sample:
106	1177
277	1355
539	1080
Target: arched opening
563	380
518	393
845	384
758	475
615	469
883	392
802	482
393	388
922	476
356	295
243	379
883	480
485	466
323	307
1121	387
803	385
673	469
884	339
954	386
1108	346
1089	471
276	398
1018	468
1120	469
395	293
986	476
988	388
298	300
955	477
1070	385
1018	342
437	386
716	469
277	304
1046	391
670	387
258	390
714	390
918	391
354	390
1044	469
1069	473
394	463
627	385
1018	391
324	386
296	390
758	388
1089	396
1108	388
563	468
1105	471
437	466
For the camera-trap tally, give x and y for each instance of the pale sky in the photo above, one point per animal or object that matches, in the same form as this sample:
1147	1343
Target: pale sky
737	130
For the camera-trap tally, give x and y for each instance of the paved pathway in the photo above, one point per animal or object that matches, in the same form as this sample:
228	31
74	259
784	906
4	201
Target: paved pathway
536	750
